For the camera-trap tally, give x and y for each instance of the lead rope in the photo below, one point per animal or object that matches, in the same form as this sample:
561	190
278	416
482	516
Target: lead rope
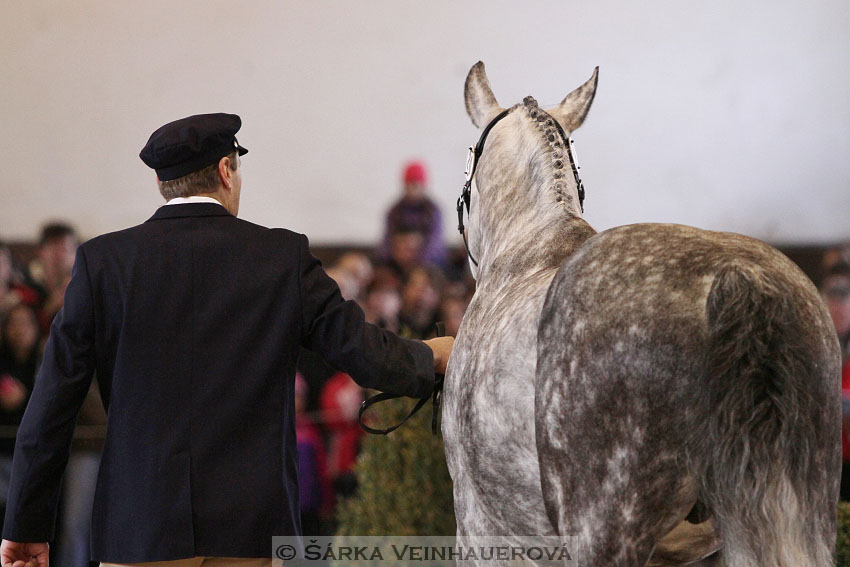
435	396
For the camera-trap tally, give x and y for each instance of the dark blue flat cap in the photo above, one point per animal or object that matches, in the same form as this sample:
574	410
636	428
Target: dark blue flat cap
191	143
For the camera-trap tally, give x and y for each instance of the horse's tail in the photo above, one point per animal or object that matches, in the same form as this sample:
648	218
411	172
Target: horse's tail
768	450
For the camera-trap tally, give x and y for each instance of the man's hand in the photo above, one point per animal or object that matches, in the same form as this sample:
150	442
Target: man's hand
14	554
442	348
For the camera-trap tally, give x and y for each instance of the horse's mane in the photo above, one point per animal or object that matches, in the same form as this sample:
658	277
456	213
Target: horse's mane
558	159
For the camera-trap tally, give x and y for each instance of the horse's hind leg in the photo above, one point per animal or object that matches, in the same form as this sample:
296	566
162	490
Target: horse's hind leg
605	538
615	518
611	483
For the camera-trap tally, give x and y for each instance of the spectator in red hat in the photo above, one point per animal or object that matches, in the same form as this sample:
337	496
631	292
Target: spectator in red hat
415	212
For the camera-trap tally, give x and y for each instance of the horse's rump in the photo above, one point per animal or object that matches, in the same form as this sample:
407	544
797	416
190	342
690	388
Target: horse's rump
658	345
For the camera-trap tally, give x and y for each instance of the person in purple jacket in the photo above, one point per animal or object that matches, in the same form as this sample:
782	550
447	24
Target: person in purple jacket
415	212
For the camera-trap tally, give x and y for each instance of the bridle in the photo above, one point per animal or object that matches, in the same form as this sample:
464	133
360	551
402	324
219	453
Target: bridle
472	163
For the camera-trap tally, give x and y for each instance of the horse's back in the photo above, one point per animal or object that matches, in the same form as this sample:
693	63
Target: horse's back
667	256
646	285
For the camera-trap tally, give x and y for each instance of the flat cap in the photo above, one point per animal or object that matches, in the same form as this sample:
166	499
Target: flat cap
191	143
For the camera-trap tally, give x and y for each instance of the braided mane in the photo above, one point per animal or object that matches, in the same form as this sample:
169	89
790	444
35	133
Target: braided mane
559	160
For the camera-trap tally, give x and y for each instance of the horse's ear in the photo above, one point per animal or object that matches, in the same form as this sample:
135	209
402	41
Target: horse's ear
573	109
481	105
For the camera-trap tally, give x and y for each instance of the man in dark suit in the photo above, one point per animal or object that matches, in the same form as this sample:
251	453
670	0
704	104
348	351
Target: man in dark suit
193	322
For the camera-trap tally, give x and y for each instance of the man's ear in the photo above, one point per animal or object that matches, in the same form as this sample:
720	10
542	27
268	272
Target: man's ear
224	171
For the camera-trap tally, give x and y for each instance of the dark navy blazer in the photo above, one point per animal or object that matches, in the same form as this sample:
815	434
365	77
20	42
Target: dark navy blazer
193	323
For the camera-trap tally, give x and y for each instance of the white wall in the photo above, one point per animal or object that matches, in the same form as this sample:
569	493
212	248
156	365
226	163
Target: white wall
726	114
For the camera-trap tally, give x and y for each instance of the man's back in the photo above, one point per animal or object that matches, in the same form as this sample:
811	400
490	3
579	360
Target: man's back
200	317
193	321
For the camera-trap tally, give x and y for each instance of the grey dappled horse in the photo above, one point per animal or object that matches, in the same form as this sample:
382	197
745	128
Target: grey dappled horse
655	391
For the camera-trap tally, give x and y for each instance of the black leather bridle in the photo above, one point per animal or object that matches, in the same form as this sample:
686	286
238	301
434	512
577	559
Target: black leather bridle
472	163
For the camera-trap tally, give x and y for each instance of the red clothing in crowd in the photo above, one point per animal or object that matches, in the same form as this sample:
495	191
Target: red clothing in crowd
340	401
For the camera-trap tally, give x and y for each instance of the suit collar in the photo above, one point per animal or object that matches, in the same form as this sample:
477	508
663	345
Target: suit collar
189	210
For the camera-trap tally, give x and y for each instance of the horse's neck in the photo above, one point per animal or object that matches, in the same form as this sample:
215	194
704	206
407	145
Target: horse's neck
520	239
530	215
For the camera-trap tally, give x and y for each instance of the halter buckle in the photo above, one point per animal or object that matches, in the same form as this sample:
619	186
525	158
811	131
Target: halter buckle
470	164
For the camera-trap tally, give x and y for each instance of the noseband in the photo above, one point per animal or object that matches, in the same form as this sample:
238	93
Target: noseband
472	163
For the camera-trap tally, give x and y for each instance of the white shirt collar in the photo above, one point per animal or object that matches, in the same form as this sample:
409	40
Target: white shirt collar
192	199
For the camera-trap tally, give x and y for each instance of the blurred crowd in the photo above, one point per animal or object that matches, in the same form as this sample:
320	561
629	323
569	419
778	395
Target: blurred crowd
31	294
408	283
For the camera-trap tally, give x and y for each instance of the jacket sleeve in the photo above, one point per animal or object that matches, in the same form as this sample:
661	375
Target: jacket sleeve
44	437
374	357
